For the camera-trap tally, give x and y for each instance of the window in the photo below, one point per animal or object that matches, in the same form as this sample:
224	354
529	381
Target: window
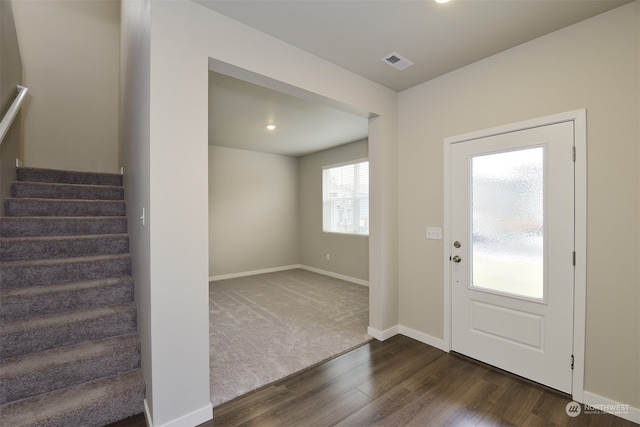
345	199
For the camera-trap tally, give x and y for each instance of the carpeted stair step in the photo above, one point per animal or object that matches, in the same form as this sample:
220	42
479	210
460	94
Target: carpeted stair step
42	372
42	333
95	403
17	274
24	248
47	190
62	207
33	301
69	352
68	177
61	226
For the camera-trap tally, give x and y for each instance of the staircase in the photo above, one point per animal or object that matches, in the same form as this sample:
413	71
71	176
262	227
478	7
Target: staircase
69	351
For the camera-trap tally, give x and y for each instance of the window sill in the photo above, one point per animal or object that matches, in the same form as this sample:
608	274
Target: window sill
345	234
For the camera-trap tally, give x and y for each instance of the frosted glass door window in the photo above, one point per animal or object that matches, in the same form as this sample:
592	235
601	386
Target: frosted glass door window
508	222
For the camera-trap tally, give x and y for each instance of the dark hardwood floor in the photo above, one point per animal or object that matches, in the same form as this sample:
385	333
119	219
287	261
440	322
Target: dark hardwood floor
400	382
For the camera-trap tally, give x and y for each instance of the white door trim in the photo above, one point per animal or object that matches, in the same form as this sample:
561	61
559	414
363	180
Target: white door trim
579	119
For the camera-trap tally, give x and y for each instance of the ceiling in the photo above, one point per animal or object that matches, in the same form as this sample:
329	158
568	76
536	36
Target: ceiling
357	34
240	111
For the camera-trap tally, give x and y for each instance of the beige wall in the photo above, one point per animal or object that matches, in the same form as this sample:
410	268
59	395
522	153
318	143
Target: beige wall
253	211
592	65
10	77
349	254
171	146
70	52
265	211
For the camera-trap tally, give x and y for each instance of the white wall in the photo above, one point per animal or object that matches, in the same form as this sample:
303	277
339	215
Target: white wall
254	219
349	255
592	65
135	148
70	53
183	36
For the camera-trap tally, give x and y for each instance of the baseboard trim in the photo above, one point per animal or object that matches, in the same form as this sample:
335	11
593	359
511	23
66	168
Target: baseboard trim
290	267
383	335
602	404
147	414
336	275
408	332
423	338
194	418
253	272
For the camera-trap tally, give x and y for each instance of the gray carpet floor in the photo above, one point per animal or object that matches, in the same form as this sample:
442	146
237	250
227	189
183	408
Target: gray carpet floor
266	327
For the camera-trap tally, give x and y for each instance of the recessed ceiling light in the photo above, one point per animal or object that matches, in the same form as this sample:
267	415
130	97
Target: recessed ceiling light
442	1
271	126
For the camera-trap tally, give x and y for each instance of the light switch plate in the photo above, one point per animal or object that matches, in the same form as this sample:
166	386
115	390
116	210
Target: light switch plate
434	233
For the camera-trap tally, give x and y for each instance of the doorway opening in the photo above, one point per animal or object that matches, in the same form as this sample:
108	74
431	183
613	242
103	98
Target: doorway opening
264	212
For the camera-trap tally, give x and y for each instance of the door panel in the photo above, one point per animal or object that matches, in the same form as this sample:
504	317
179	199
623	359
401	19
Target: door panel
515	326
512	246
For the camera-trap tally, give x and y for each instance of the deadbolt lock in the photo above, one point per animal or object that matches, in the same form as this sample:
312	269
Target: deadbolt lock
456	244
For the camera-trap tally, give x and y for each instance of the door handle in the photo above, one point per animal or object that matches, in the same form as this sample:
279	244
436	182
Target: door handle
456	258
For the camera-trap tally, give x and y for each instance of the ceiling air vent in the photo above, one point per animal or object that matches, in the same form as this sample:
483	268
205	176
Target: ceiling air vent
397	61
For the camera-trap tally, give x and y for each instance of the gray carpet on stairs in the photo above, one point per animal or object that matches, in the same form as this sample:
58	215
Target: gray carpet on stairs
61	226
90	404
20	303
66	191
24	248
62	207
69	351
68	177
65	367
72	327
17	274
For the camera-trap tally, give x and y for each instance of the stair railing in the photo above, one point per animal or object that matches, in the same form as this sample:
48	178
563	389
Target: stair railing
12	112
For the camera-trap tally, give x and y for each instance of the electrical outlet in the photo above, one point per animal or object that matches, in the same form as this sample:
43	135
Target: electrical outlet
328	257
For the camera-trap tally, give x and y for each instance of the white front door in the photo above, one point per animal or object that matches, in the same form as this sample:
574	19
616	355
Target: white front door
512	252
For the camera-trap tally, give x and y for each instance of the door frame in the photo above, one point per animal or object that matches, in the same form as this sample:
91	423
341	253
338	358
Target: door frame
579	119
